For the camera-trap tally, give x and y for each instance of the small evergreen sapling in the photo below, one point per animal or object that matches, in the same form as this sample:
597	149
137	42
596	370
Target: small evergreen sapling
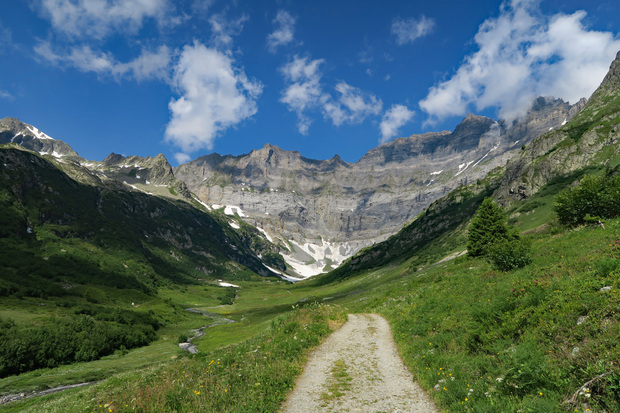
487	228
489	236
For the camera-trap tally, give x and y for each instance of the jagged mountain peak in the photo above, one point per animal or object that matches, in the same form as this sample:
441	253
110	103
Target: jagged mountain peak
30	137
612	79
113	159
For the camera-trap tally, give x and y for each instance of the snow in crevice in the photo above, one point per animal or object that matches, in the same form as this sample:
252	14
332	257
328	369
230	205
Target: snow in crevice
37	133
565	122
234	225
265	234
486	154
201	203
16	135
463	167
436	173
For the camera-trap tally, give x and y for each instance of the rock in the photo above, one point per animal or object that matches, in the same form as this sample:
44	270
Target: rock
606	288
582	319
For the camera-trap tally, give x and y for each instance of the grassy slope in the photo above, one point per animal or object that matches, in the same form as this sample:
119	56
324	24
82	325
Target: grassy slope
490	331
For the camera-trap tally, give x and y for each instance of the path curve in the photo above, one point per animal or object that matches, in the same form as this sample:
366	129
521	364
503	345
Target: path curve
357	369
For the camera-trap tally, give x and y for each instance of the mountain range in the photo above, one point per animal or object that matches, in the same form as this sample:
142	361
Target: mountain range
317	213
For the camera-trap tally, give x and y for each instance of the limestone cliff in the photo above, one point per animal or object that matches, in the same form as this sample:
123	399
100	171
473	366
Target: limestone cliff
322	212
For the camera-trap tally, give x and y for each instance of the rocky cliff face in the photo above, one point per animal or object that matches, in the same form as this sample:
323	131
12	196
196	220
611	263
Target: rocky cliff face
322	212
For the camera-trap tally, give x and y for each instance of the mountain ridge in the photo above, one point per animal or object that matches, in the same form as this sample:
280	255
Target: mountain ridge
304	204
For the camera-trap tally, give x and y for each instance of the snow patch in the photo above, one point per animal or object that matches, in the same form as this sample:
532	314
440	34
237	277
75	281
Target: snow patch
225	284
551	128
436	173
462	167
485	155
565	122
38	134
233	210
265	234
234	225
202	203
16	135
320	254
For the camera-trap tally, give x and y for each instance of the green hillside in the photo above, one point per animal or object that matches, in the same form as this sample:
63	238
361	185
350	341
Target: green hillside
543	338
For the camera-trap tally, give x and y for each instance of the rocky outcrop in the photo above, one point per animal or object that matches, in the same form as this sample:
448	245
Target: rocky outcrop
322	212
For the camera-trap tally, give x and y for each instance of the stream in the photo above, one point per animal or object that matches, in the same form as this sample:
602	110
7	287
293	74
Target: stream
199	332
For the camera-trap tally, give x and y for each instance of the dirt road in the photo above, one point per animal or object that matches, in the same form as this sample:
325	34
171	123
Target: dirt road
357	369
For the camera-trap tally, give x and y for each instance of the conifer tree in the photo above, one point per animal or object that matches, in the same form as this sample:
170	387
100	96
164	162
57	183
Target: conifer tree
488	227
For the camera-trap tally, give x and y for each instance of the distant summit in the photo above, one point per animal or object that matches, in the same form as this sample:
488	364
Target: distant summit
14	131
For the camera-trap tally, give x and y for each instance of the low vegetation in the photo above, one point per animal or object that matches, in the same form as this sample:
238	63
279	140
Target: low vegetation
594	199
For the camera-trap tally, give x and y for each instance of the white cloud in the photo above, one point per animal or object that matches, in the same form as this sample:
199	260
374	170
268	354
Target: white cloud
522	55
215	96
224	29
181	157
393	119
5	95
409	30
284	33
304	91
353	105
97	18
148	65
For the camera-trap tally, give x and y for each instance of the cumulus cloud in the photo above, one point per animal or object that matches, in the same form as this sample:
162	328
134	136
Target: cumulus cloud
5	95
409	30
352	106
97	18
181	157
396	117
224	29
215	95
284	32
148	65
521	55
304	91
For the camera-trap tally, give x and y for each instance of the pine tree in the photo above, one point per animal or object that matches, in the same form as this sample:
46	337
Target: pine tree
488	227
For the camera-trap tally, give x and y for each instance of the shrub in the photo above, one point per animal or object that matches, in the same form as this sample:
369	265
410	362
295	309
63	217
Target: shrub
508	255
595	198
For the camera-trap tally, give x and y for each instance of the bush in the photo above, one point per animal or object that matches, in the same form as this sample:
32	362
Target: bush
508	255
594	199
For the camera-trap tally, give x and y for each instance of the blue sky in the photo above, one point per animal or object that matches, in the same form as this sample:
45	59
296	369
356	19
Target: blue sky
191	77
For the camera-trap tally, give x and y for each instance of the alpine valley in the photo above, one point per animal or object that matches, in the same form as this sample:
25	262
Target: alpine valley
100	261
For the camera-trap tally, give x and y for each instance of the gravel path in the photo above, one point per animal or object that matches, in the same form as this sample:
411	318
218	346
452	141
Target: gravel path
357	369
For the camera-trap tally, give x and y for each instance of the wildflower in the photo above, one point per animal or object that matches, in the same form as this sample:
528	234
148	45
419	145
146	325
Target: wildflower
499	379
